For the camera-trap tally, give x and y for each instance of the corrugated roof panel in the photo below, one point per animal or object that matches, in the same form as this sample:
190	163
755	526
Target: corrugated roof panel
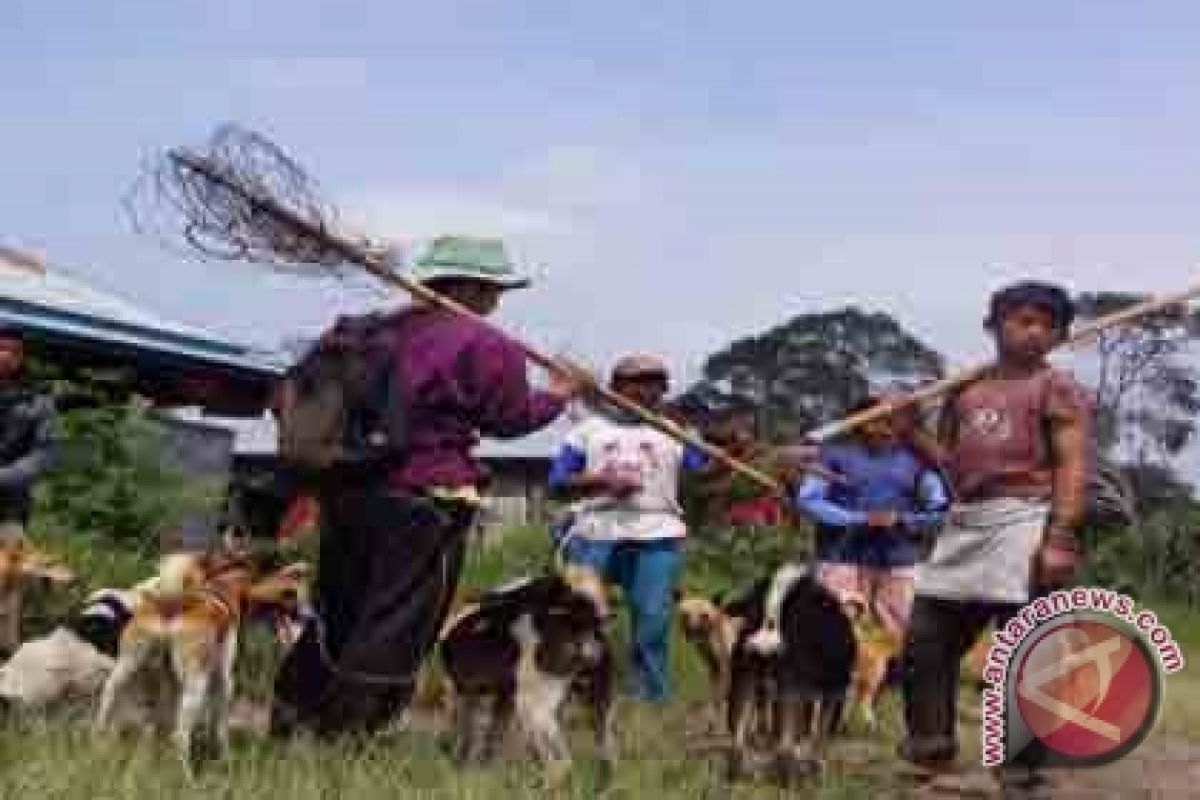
66	307
57	291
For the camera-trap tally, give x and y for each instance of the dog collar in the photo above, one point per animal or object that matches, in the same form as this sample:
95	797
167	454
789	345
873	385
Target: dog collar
221	600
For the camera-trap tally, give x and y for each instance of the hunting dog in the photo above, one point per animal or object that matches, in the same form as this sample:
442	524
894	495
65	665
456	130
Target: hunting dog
713	627
519	652
189	627
709	626
713	630
976	660
803	675
875	649
72	661
20	565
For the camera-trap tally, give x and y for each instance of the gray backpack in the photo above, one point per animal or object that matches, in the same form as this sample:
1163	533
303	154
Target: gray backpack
340	406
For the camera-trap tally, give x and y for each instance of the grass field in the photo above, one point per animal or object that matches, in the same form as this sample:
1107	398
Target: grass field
668	752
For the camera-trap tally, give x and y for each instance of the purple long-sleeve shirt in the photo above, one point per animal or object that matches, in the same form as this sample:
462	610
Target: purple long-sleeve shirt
462	379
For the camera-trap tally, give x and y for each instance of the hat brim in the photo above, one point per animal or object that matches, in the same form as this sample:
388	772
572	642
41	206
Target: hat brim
641	375
505	282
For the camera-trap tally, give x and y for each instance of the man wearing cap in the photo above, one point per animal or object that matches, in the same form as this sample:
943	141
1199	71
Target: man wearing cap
392	545
27	448
627	523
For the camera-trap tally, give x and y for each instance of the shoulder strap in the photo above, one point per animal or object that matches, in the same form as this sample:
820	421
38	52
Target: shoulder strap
395	400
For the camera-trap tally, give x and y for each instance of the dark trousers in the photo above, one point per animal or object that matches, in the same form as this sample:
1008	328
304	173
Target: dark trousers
389	566
939	636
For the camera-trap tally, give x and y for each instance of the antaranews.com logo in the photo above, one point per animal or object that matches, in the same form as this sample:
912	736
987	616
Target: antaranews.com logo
1075	679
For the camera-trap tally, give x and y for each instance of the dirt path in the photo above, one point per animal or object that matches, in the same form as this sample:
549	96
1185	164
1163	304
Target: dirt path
1165	767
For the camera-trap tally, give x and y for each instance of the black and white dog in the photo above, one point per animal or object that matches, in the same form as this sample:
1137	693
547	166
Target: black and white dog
520	652
71	662
801	670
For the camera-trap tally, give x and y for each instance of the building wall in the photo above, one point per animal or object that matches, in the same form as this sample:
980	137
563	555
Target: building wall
517	494
203	453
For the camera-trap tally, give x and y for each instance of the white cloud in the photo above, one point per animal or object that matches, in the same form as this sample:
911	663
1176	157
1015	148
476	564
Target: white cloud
290	75
578	177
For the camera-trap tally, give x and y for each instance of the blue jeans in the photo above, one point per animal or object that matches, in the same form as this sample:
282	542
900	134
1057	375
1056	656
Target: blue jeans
647	572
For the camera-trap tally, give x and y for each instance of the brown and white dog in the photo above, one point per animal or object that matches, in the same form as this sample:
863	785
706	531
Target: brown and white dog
20	565
875	648
189	628
21	561
519	652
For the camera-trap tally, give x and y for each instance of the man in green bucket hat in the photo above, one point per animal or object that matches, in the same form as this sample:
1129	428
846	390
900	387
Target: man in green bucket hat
451	260
392	543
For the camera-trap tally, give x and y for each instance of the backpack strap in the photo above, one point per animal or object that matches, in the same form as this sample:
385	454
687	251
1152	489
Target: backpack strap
390	391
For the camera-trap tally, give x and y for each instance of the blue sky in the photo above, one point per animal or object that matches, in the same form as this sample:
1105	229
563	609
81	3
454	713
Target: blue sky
678	173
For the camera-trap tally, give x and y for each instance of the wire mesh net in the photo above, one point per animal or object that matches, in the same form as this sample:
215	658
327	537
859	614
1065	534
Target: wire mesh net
241	197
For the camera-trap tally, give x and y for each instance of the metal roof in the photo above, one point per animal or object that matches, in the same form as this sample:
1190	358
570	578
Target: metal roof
62	307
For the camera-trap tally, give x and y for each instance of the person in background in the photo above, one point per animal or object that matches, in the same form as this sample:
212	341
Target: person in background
744	502
622	477
869	523
28	445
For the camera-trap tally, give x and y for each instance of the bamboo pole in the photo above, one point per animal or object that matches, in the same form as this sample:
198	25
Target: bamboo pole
1081	335
378	267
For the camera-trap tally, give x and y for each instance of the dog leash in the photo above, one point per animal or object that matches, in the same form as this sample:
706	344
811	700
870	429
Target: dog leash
354	676
560	547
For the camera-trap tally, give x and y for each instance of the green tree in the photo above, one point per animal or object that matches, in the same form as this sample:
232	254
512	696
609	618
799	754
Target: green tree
1147	386
110	482
811	369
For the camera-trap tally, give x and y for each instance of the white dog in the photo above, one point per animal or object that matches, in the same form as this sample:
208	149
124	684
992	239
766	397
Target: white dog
72	661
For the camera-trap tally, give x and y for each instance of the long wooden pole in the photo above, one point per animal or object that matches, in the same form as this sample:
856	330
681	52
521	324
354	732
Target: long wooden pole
1079	336
376	265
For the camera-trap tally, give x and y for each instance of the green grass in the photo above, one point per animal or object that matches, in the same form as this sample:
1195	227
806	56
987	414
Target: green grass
1184	623
668	752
